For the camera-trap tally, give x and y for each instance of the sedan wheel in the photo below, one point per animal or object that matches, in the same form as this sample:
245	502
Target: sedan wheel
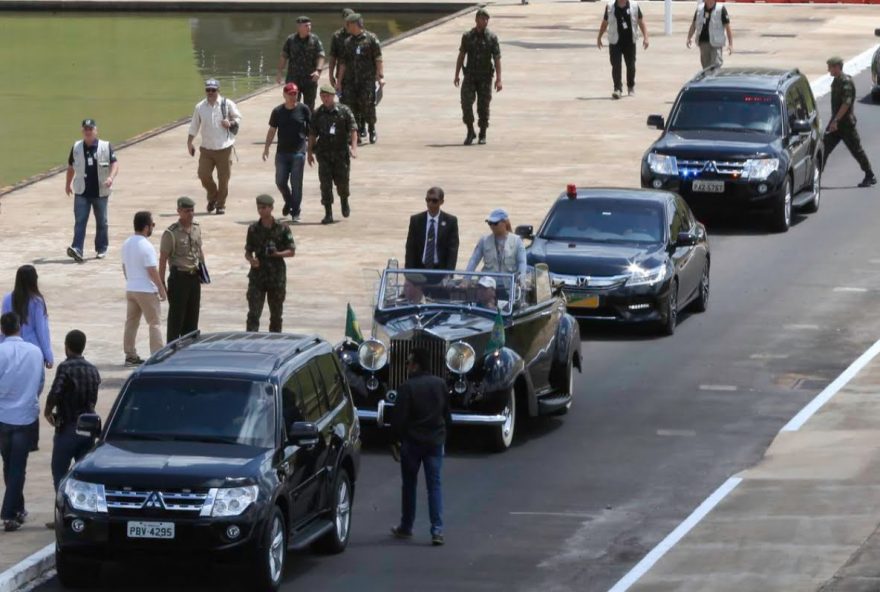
782	215
702	301
671	319
813	205
502	436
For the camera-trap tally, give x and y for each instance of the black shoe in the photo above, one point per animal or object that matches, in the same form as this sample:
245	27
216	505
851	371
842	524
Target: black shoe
74	254
437	539
346	210
471	136
373	136
869	180
211	206
132	361
482	139
285	211
362	132
22	516
399	533
11	525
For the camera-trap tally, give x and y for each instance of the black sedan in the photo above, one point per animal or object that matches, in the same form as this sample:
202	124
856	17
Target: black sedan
630	255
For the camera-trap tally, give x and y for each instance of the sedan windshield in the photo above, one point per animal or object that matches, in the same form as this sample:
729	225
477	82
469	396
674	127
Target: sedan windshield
725	110
605	220
198	410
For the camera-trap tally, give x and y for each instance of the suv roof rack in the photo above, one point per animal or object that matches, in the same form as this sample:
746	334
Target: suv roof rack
787	76
171	348
308	342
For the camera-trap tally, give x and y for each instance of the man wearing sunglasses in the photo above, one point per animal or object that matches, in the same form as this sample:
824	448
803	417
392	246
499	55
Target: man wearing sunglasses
143	288
432	240
217	119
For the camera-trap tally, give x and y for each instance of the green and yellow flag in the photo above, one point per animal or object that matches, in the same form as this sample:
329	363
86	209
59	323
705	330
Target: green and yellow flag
352	327
496	338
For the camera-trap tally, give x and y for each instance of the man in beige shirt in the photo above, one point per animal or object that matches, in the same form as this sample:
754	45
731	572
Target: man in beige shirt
181	250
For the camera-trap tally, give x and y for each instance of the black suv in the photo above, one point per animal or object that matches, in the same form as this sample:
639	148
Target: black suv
233	447
741	138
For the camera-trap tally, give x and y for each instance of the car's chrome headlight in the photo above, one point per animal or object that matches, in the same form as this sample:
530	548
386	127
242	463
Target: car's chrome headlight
460	357
87	497
223	502
758	169
639	276
373	355
663	164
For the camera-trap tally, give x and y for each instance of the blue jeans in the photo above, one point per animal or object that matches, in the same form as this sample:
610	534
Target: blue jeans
82	206
15	445
412	455
289	178
67	447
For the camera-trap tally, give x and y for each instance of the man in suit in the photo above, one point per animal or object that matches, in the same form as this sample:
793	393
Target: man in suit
432	240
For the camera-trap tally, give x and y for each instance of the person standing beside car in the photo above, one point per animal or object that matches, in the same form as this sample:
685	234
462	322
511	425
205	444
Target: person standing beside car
420	420
432	239
143	288
711	23
291	120
181	250
842	126
500	251
623	20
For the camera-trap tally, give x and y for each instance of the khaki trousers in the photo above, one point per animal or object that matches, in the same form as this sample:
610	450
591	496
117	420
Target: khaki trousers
146	305
222	161
711	56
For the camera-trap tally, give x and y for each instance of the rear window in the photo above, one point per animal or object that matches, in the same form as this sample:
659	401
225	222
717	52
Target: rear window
728	110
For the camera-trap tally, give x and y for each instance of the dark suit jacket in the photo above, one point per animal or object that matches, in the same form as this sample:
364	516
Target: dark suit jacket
447	241
422	410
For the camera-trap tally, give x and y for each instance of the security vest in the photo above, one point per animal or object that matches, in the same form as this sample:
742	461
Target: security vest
490	255
79	168
613	33
716	27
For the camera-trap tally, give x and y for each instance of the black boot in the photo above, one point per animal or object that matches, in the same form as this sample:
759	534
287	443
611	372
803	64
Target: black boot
328	214
869	180
362	134
471	135
345	209
482	139
373	136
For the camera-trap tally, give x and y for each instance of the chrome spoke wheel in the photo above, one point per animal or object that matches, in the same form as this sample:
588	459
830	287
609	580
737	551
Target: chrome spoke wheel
343	510
277	550
503	434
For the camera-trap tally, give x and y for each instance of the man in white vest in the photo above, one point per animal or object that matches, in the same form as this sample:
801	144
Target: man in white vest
625	18
711	23
91	170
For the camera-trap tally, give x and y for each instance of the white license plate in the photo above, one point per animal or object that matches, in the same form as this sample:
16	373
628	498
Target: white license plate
709	186
151	530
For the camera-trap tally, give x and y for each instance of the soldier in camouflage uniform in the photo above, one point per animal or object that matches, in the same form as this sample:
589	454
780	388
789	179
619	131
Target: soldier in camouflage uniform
268	243
333	139
843	120
483	53
337	45
303	56
361	69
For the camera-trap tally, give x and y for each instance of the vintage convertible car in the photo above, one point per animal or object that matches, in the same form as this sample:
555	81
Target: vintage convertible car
503	347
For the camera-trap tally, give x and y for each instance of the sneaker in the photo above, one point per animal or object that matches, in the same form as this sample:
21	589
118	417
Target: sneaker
285	211
296	219
74	254
630	92
437	539
869	180
616	94
101	255
211	206
22	516
131	361
11	525
221	211
399	533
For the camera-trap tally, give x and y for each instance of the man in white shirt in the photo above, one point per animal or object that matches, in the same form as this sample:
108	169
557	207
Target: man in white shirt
143	287
217	119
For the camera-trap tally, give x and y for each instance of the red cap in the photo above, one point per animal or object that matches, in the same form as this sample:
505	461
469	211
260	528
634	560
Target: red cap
571	190
291	89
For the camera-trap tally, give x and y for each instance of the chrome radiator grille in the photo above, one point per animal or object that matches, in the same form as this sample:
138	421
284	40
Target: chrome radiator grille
400	349
175	501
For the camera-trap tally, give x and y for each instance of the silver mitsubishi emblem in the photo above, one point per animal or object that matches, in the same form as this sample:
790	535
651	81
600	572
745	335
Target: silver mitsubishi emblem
155	501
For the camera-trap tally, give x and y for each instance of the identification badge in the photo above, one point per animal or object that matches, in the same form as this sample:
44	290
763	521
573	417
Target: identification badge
358	50
90	161
333	130
624	26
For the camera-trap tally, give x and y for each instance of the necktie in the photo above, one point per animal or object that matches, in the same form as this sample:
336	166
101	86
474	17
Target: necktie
430	244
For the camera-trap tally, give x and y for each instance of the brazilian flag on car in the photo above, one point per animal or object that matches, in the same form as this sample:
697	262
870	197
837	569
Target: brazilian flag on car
496	338
352	327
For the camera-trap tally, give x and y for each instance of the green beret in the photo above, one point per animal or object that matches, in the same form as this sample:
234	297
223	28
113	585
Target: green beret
483	12
835	61
353	18
347	12
265	200
328	89
185	202
303	19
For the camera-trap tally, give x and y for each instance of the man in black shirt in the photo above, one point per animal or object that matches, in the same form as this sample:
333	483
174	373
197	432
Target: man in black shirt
624	17
711	23
291	120
420	420
74	391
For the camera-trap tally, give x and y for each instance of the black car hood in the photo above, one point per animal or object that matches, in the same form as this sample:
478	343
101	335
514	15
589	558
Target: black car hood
443	323
130	463
717	145
594	259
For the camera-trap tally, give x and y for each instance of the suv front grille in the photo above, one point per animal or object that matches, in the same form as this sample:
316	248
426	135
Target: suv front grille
400	349
720	167
173	501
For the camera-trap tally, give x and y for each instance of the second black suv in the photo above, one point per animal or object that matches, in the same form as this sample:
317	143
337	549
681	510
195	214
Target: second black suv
741	138
233	447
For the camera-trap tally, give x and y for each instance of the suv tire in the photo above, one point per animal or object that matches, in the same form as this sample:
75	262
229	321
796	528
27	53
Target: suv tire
812	206
76	572
781	217
267	570
336	540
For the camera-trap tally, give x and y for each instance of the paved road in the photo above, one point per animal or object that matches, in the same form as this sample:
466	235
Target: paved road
658	423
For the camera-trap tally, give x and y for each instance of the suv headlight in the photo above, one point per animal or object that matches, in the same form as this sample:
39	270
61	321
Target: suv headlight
663	164
373	355
86	497
759	169
639	276
460	357
230	501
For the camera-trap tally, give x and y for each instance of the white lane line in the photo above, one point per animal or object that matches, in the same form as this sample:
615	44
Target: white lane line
718	387
555	514
648	561
849	289
822	85
769	356
832	389
802	327
677	433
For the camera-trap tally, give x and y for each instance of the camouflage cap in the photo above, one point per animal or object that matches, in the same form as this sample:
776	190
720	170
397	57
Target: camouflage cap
354	17
328	89
303	19
347	12
185	202
834	61
483	12
265	200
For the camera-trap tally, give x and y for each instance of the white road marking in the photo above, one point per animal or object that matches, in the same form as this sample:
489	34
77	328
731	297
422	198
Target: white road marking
718	387
768	356
678	433
555	514
832	389
849	289
822	85
797	327
648	561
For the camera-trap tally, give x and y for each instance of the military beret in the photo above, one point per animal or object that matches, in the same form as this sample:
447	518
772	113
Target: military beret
347	12
483	12
353	17
265	200
835	61
303	19
328	88
185	202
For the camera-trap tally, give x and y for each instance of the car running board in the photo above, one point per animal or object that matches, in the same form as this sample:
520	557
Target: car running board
310	534
802	198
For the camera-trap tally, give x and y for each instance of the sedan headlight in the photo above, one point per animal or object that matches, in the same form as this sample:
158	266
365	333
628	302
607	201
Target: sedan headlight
87	497
460	357
232	501
373	355
758	169
663	164
639	276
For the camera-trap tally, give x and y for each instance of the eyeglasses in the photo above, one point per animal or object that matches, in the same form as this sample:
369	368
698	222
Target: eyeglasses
494	223
210	90
432	199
